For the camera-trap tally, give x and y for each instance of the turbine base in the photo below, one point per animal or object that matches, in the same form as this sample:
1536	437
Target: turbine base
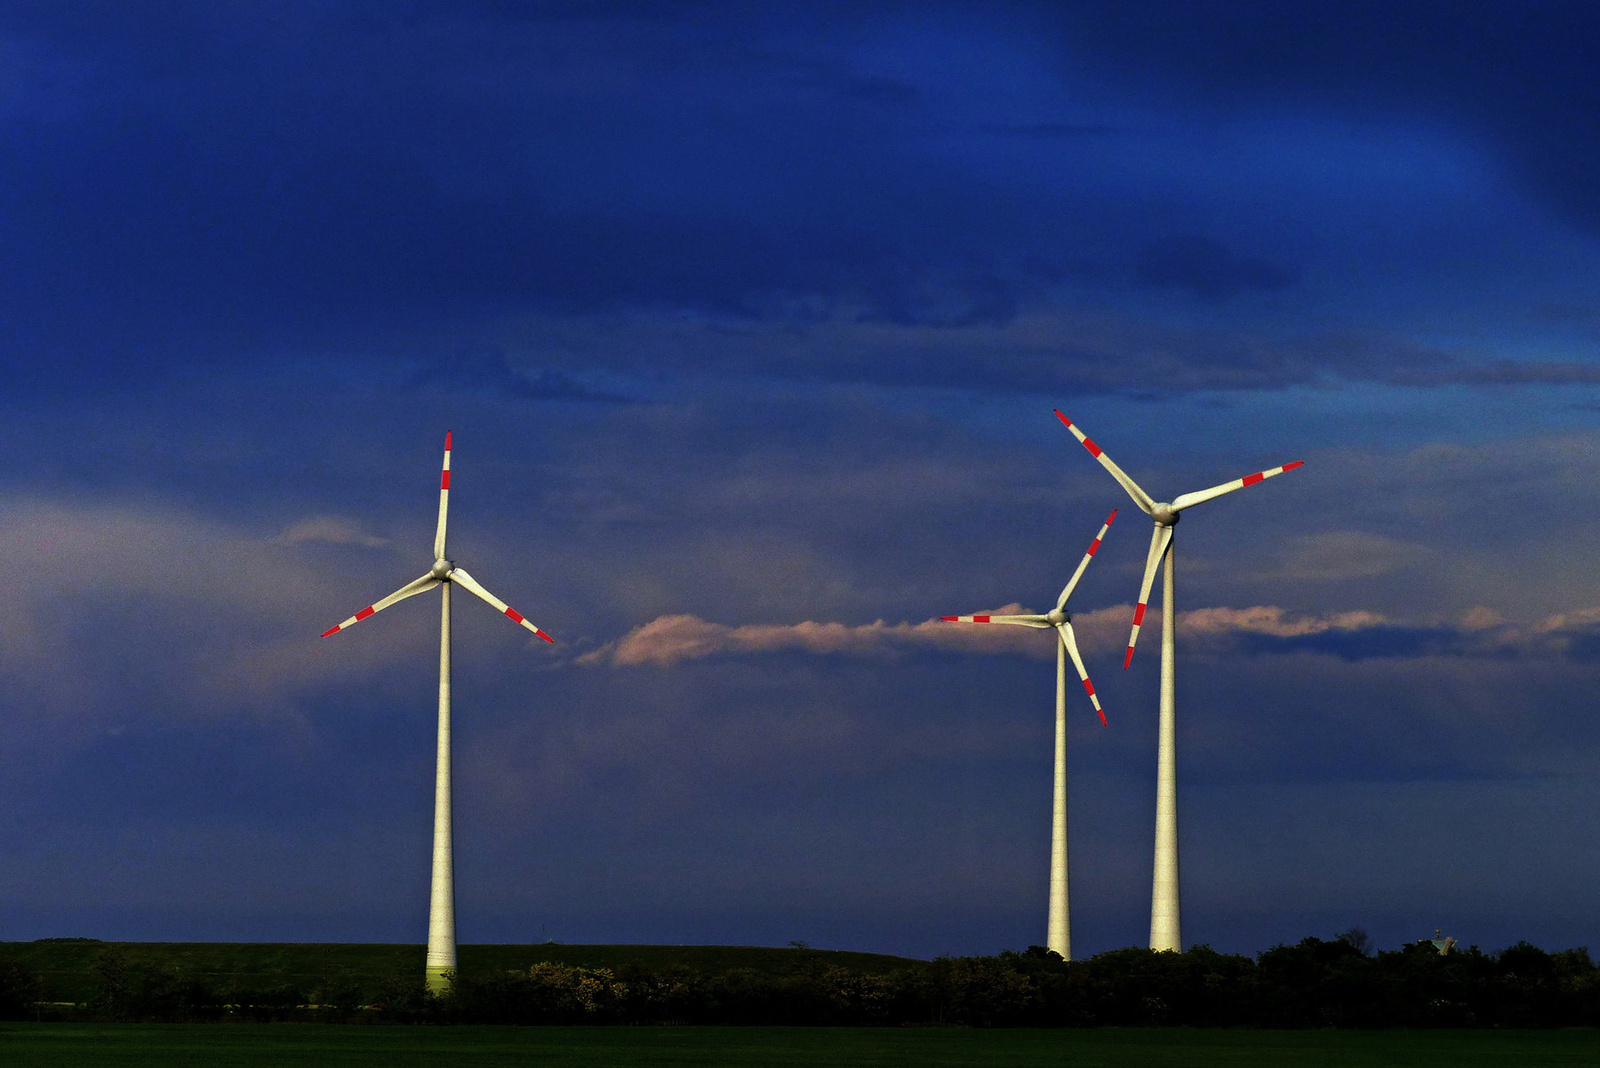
441	979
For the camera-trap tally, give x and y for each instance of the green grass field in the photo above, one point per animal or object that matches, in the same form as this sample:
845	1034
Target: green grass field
66	965
256	1046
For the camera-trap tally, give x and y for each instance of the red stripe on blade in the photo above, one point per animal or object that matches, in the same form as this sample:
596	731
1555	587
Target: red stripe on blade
1063	418
1094	450
444	479
447	441
1138	615
514	614
1251	480
1088	687
980	619
1102	716
364	613
1127	659
1291	467
950	619
1093	545
547	637
330	630
1112	516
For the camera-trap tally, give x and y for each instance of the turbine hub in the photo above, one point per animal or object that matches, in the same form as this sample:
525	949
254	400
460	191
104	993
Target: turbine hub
442	568
1058	616
1164	516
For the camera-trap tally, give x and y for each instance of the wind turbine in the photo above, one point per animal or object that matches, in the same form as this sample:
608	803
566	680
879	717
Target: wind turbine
444	573
1165	929
1059	932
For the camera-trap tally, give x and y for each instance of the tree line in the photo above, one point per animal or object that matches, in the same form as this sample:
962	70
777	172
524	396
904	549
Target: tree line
1314	983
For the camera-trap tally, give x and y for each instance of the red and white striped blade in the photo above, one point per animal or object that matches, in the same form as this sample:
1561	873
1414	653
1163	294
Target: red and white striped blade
470	584
1065	630
444	501
1140	497
410	589
1015	621
1160	538
1190	499
1094	547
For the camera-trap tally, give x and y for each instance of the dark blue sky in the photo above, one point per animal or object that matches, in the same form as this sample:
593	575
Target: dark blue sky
753	316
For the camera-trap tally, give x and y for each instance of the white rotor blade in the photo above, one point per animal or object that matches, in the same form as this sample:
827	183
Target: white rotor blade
1140	497
1094	546
444	501
1065	630
1160	538
1189	499
1015	621
470	584
410	589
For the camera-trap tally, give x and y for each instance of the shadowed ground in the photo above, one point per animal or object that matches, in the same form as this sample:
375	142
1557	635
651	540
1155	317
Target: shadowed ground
254	1045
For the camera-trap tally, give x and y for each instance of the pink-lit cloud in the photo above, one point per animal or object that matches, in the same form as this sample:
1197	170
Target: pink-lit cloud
332	530
670	639
1479	632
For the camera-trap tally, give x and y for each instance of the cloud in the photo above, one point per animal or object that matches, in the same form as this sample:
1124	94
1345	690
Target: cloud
1273	621
999	335
669	640
1341	555
1259	630
1508	373
1526	85
416	182
489	373
1206	268
118	612
332	530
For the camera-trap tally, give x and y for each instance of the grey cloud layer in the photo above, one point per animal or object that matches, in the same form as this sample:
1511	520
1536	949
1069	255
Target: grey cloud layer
195	187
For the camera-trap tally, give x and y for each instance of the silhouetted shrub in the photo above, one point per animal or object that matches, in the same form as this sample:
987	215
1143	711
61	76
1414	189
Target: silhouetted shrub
19	990
1312	983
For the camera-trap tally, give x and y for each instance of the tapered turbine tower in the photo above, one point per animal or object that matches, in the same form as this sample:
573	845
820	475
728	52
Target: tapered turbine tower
1059	932
1165	929
444	573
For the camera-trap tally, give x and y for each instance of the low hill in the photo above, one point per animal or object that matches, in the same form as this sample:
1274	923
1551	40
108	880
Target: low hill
72	968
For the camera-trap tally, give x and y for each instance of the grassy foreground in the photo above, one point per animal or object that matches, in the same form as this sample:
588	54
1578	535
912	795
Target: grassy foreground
258	1045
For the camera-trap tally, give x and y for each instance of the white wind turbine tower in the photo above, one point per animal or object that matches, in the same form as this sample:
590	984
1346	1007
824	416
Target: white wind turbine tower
1165	929
1059	932
442	899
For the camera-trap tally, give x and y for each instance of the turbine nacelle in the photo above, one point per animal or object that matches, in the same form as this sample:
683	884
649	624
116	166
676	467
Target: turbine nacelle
1165	515
1056	618
443	570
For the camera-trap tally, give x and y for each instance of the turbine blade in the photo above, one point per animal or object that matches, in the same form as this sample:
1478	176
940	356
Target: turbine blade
1188	500
444	501
1065	630
1094	547
470	584
1160	538
410	589
1015	621
1140	497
